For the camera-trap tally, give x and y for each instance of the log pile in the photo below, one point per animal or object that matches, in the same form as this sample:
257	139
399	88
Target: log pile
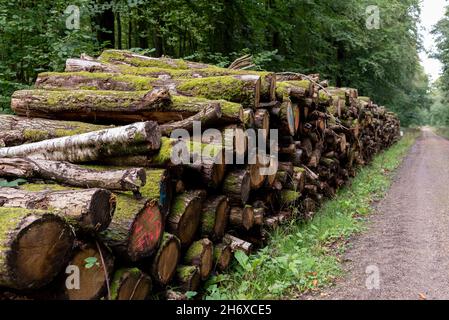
118	207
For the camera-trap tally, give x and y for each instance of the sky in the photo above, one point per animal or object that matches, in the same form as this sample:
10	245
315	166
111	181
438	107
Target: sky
431	12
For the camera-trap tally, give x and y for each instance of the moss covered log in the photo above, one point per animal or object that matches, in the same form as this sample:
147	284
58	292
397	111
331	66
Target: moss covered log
131	179
165	262
34	247
121	57
96	268
87	210
130	284
222	256
136	229
214	219
201	254
138	138
237	186
238	244
19	130
185	216
89	105
188	278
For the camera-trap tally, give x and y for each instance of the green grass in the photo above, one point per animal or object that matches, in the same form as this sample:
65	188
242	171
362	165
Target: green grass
304	257
442	131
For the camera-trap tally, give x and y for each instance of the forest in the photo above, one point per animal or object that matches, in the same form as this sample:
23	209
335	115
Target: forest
331	38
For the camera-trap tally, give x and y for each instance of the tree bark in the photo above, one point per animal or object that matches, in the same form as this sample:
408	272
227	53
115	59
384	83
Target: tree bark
73	175
132	139
89	105
238	244
35	246
242	218
19	130
86	210
222	256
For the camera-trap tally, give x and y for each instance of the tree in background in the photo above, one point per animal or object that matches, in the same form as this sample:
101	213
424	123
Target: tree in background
308	36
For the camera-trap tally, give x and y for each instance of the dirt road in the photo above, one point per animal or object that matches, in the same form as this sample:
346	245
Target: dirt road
407	241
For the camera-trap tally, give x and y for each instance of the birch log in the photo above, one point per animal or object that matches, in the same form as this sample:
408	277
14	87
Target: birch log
131	179
133	139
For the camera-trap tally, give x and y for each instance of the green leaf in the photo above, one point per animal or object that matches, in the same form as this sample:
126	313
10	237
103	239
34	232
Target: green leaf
90	262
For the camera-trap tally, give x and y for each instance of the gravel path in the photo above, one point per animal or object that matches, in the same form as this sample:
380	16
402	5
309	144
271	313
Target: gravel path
407	241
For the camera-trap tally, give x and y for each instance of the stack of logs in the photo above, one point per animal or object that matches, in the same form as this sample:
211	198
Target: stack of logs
102	209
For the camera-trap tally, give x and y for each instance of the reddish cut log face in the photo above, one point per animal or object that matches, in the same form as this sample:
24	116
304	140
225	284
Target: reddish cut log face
146	232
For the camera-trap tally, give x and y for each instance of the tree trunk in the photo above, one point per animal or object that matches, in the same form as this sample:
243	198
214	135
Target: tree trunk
201	254
136	228
130	284
185	216
35	246
166	260
137	138
89	105
215	217
73	175
20	130
87	210
237	186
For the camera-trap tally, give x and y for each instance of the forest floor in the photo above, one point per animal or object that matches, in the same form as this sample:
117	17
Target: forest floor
407	241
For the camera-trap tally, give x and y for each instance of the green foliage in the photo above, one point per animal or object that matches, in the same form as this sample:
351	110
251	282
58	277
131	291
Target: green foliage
91	262
327	37
305	256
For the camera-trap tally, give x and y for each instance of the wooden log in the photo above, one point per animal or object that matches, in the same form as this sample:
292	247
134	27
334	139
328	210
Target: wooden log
89	210
73	175
185	216
215	216
137	138
136	230
259	214
242	218
268	79
206	117
248	118
237	186
257	177
201	254
188	278
19	130
89	105
35	245
130	284
222	256
165	262
238	244
123	57
289	198
95	270
262	121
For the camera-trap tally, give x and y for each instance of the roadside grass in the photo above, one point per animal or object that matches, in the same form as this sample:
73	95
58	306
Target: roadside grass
303	257
441	131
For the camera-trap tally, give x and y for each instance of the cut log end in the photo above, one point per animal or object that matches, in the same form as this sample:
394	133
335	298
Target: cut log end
188	277
146	232
130	284
33	260
166	260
